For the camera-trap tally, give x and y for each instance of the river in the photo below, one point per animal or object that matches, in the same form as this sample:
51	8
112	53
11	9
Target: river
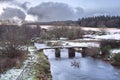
89	68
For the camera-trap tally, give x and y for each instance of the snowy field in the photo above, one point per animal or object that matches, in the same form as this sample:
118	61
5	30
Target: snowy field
111	34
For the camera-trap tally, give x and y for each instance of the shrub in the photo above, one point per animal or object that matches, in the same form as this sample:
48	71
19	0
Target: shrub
117	57
105	47
11	59
93	52
111	43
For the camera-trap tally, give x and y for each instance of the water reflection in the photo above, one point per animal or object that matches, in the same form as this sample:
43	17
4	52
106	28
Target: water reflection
89	68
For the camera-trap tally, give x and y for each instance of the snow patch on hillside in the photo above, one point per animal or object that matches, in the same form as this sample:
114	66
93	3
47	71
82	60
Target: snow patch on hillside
112	36
113	51
82	44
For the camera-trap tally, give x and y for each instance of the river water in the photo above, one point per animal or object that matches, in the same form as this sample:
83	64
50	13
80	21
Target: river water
89	68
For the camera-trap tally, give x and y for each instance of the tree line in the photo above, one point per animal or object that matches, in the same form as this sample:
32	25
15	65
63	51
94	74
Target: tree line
100	21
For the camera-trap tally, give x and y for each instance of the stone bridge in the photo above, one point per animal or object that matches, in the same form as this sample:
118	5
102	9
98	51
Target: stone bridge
71	50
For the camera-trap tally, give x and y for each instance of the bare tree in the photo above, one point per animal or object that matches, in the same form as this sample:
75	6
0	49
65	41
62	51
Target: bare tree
58	31
14	37
66	31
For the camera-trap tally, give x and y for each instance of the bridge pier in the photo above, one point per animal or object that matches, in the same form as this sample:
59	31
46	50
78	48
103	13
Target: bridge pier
84	52
71	52
57	52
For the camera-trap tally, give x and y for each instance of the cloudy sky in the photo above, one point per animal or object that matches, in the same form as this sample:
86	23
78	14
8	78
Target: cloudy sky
53	10
87	4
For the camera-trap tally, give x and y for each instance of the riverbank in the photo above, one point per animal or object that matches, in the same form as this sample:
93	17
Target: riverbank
42	68
36	63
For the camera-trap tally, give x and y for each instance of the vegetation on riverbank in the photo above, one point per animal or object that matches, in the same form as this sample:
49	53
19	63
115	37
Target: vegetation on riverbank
11	59
13	38
42	68
116	60
106	46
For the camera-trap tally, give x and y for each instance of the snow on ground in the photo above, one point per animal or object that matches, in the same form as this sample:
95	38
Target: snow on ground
114	33
108	36
46	26
115	51
39	46
88	39
13	73
90	29
112	36
113	30
110	30
82	44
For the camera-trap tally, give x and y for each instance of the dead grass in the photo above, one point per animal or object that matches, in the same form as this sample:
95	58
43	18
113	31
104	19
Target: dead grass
8	62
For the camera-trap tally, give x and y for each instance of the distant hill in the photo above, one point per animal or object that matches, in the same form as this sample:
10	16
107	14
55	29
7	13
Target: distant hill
98	21
55	23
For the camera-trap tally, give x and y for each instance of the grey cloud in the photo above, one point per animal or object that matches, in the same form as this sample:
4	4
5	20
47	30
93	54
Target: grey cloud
50	11
25	5
12	9
5	0
79	12
12	12
105	11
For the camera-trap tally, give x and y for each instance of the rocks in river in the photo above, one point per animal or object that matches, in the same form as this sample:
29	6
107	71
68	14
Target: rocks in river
75	63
